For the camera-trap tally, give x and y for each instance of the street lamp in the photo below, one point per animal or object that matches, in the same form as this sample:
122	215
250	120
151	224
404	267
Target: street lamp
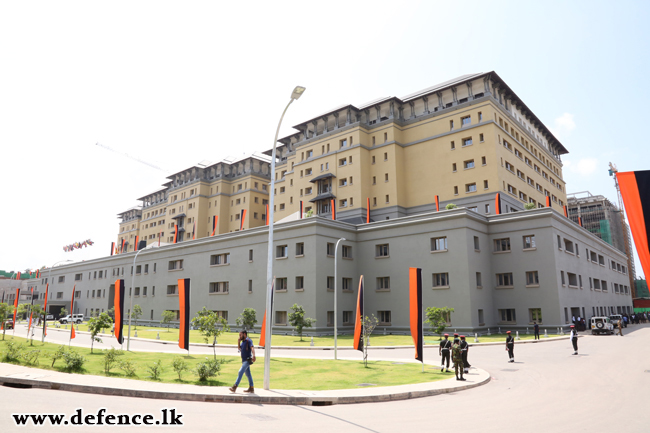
336	247
296	94
49	273
131	293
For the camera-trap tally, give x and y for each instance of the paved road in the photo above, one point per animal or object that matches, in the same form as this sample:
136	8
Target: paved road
546	390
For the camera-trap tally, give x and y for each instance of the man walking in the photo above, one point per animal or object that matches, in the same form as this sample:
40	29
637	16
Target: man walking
619	328
458	359
536	327
574	339
443	350
464	348
510	346
247	359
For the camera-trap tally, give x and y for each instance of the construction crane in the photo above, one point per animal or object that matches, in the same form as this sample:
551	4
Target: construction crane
135	158
630	266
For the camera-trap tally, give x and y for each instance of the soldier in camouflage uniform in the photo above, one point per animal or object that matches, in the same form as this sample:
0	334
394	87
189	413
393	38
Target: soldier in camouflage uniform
457	357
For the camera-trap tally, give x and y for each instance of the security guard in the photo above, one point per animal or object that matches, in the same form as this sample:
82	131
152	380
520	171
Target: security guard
443	350
574	339
510	346
457	356
464	348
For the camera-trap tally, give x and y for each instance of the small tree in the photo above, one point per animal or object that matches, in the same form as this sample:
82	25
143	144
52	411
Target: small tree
369	325
135	314
37	311
167	318
95	325
247	319
438	318
63	312
298	320
310	213
210	325
20	311
529	206
4	310
180	366
451	206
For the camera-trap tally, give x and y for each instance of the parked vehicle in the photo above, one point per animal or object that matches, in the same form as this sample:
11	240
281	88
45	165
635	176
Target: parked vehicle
601	325
9	324
614	318
49	317
74	318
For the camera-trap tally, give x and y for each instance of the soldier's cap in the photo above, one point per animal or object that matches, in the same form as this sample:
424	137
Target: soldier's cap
508	332
572	326
455	334
462	336
446	335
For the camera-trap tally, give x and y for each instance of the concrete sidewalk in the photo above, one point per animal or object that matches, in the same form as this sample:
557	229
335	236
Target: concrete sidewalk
25	377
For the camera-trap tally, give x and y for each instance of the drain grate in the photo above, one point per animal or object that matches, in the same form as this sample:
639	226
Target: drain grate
367	384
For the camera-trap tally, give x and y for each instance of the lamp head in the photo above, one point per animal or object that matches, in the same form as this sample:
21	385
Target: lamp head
297	92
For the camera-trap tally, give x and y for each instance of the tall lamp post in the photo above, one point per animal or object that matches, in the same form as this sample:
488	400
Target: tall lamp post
297	92
131	293
49	273
336	248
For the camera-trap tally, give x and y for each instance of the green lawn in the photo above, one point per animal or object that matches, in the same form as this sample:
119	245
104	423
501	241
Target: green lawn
377	339
306	374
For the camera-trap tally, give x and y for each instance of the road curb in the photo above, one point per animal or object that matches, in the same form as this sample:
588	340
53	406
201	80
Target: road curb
277	397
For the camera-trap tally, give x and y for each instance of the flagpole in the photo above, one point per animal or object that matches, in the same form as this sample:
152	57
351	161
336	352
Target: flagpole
128	336
297	92
336	247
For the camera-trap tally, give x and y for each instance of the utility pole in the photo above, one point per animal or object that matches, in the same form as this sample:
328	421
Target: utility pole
630	266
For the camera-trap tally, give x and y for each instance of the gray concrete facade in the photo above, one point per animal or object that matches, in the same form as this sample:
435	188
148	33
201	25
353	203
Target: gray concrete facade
470	249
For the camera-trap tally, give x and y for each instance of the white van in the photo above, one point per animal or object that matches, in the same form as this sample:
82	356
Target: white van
601	325
74	318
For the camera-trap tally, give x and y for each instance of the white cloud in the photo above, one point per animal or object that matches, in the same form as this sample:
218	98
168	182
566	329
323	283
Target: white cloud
565	121
584	166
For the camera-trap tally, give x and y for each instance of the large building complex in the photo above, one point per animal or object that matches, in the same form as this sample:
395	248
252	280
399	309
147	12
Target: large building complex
464	141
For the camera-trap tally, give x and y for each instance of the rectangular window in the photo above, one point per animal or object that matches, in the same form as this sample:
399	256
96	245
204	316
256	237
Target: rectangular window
470	187
250	255
347	251
535	315
146	268
532	278
300	249
280	317
453	146
601	261
281	251
467	142
343	162
220	259
281	284
476	244
330	283
603	285
381	250
175	265
505	280
568	246
464	121
347	284
61	279
219	287
383	283
347	318
439	244
507	316
384	317
479	281
441	280
172	290
300	283
501	245
529	242
573	280
468	164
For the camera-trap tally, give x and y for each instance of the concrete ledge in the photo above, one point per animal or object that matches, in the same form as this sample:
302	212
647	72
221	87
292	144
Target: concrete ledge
25	377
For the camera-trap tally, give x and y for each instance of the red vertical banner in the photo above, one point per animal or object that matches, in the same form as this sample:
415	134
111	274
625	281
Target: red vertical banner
112	248
333	204
16	305
175	233
47	288
122	249
358	320
72	332
566	214
263	331
242	218
580	221
548	201
267	214
194	230
437	203
635	190
301	209
367	210
136	247
30	313
118	304
159	235
497	204
184	308
415	306
214	224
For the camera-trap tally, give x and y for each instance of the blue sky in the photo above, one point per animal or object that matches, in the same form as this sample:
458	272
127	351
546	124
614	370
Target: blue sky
175	83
